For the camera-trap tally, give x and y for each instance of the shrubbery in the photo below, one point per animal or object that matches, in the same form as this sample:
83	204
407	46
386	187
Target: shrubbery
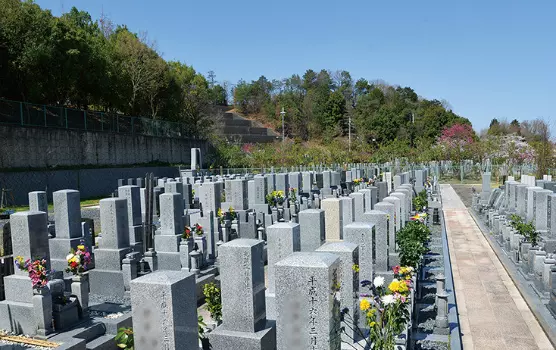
411	242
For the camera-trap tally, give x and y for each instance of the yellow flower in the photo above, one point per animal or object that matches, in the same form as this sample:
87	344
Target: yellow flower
403	287
408	277
373	324
394	285
364	305
81	247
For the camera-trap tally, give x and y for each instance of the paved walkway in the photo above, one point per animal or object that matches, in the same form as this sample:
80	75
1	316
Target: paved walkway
492	312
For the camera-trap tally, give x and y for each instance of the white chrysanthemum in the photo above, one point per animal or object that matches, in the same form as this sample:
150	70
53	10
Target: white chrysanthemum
69	257
388	299
378	281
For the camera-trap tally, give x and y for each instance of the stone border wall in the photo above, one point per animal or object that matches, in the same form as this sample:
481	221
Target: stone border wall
27	147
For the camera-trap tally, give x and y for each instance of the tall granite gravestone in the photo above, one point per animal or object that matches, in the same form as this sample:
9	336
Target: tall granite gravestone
238	190
551	215
333	218
348	210
271	182
485	189
387	177
382	190
397	181
403	207
282	183
326	186
22	311
389	209
530	208
367	198
167	238
361	233
244	324
540	216
67	216
106	278
209	196
380	221
349	282
419	180
131	194
309	316
282	240
307	181
259	195
38	201
358	205
521	205
312	229
397	207
295	181
374	197
164	311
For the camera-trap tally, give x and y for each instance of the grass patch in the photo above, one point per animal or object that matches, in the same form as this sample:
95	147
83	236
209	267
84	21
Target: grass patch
84	203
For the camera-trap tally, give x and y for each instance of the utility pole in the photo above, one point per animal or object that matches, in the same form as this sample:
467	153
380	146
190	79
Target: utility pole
283	113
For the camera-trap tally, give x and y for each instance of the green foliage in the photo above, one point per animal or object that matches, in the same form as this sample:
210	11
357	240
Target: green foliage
526	229
124	338
411	240
420	201
76	61
213	300
201	324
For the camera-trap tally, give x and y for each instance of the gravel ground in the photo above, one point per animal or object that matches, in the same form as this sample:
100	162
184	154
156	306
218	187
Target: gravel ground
464	192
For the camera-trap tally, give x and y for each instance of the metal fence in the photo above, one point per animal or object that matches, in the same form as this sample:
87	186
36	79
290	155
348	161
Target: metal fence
28	114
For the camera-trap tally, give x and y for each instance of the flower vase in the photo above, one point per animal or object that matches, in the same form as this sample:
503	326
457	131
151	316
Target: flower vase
201	242
42	309
226	225
80	288
186	246
234	230
280	209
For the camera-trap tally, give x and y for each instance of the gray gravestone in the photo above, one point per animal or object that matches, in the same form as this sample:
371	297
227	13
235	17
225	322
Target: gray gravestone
283	239
132	195
244	324
349	282
361	233
380	221
38	201
164	309
309	315
358	205
312	229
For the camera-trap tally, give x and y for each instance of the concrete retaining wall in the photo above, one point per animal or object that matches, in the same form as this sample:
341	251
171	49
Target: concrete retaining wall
90	182
22	147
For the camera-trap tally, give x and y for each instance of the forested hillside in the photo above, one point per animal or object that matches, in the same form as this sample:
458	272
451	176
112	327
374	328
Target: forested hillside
319	104
77	61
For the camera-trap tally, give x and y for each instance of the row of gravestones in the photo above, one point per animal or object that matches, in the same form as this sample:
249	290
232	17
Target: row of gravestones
120	244
300	307
535	202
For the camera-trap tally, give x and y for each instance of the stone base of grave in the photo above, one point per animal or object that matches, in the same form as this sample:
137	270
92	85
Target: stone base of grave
169	261
270	300
21	319
538	287
550	245
393	259
261	208
107	283
65	316
388	276
110	259
231	340
551	304
167	243
18	288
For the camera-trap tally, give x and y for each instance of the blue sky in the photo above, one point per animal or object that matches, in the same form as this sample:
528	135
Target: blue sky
487	58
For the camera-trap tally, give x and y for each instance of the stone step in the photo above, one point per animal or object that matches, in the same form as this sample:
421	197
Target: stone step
105	342
87	331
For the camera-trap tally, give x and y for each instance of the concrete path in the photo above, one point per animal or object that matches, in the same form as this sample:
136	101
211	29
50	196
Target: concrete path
492	312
